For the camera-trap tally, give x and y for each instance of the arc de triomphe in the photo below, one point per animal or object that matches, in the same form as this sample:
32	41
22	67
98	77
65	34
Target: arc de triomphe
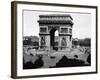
51	23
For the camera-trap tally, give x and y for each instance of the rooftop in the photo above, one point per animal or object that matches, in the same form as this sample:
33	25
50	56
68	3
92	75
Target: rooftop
55	15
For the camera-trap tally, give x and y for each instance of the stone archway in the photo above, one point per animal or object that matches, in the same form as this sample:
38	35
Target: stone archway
52	22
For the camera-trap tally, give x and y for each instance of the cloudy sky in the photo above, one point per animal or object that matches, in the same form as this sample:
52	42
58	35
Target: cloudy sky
81	27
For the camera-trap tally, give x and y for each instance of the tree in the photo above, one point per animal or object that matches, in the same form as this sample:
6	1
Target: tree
85	42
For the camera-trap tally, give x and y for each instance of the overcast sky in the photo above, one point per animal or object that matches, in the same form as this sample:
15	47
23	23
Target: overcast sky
81	28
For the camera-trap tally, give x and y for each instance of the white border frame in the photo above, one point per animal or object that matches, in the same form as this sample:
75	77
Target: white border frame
68	70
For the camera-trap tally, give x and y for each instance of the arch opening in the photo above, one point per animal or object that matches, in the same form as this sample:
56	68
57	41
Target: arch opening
53	39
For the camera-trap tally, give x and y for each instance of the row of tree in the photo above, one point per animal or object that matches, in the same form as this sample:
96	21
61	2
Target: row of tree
82	42
32	40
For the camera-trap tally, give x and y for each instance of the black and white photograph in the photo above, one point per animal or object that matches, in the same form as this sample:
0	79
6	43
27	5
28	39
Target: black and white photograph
56	39
53	39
